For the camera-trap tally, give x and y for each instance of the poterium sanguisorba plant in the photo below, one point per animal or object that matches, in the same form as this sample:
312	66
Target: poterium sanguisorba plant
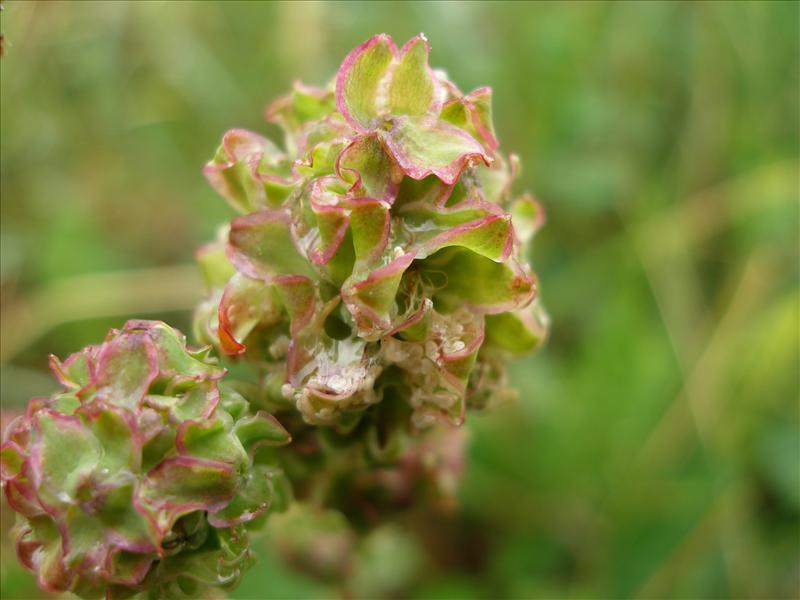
367	296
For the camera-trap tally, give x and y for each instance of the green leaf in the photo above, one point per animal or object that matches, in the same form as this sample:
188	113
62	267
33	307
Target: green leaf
113	431
262	246
473	113
377	79
214	265
371	300
479	282
126	366
127	527
246	303
359	80
528	217
369	170
212	440
85	539
517	332
299	298
482	228
261	429
412	87
64	454
12	458
195	403
370	226
242	170
253	498
302	105
174	360
425	145
182	484
74	373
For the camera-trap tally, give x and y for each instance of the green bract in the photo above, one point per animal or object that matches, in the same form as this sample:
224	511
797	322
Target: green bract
382	249
138	477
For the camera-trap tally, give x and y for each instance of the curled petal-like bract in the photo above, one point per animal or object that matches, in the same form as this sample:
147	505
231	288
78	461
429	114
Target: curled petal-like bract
377	79
425	146
249	171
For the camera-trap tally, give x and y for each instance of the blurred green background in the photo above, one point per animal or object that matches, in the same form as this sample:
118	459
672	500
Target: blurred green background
655	448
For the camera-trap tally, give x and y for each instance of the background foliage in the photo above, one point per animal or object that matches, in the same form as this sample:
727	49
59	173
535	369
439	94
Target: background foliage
654	450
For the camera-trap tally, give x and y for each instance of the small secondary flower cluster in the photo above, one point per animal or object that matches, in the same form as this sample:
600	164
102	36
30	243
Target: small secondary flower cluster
139	474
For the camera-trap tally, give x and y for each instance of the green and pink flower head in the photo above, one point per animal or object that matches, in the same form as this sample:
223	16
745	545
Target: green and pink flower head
138	475
382	249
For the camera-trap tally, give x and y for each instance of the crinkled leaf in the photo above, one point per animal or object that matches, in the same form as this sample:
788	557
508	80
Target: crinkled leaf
495	180
210	440
360	78
261	246
480	227
85	540
182	484
129	568
425	146
473	113
113	430
64	453
369	170
214	265
51	572
126	528
195	403
75	372
299	298
260	429
320	160
412	87
304	103
332	224
233	172
371	300
12	457
174	360
66	403
480	283
370	225
517	332
186	574
232	401
126	366
253	498
377	79
245	304
528	217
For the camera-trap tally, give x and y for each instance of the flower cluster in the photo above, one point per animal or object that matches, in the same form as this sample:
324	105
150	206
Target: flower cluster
382	250
139	474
